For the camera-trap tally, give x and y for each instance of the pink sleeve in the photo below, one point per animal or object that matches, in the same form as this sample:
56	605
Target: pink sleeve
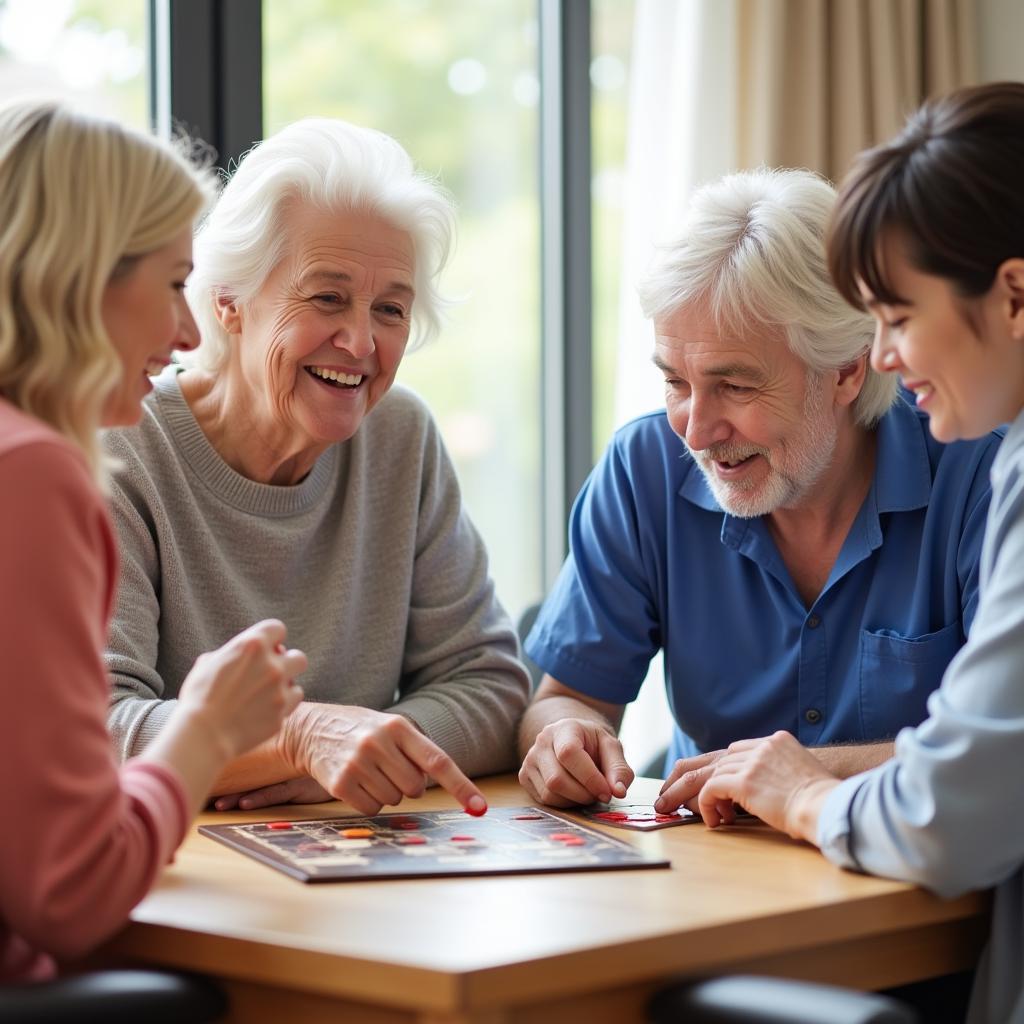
81	841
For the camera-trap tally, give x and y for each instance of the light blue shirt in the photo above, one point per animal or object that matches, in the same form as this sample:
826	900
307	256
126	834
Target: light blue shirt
656	563
948	810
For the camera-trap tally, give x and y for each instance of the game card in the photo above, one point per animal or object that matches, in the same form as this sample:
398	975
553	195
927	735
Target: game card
638	817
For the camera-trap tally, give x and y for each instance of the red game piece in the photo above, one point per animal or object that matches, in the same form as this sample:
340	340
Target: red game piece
408	825
463	839
562	837
612	816
279	826
666	817
411	841
574	841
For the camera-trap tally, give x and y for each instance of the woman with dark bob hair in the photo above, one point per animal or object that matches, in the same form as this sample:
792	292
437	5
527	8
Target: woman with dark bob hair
928	235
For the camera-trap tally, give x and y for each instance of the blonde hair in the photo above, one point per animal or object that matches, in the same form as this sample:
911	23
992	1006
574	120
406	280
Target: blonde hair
329	165
81	200
753	248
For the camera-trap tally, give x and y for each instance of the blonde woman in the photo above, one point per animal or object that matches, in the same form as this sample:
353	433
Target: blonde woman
95	246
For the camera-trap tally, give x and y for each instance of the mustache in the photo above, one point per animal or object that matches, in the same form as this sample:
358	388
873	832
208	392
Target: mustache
726	452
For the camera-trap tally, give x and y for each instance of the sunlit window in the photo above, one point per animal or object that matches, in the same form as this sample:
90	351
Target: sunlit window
456	83
92	52
611	40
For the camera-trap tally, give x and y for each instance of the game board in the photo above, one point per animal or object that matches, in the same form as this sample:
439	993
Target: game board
429	844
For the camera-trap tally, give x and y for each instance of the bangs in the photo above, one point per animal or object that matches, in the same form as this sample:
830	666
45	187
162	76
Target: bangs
868	212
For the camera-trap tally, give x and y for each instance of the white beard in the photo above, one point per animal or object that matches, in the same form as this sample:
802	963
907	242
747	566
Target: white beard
793	468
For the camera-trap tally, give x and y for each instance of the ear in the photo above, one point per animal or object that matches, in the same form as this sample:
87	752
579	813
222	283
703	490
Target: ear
850	379
1010	278
227	311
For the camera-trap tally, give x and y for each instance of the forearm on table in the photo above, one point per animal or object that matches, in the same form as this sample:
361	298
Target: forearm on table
844	760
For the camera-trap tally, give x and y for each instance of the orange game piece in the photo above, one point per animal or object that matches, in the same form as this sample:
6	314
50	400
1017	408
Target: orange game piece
562	837
356	833
411	841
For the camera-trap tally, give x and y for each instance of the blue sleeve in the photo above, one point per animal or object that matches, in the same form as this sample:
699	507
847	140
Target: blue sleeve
599	629
944	812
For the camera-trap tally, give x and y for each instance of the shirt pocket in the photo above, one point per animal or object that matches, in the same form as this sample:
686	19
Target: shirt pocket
897	674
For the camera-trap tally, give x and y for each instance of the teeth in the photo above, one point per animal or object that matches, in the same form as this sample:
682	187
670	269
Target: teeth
923	390
154	368
341	378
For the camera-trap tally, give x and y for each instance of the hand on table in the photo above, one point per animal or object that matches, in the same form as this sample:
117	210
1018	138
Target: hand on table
575	761
774	778
684	783
370	759
303	790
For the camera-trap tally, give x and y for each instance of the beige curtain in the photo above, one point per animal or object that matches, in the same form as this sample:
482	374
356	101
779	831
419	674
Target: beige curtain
819	80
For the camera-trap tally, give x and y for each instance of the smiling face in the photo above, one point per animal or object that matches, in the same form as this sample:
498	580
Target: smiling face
146	317
963	359
321	343
759	425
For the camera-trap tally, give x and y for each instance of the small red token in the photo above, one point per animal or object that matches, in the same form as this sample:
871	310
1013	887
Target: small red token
463	839
612	816
279	826
574	841
562	837
408	825
666	817
477	812
411	841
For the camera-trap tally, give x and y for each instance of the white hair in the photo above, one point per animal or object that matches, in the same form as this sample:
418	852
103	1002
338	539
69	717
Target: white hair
332	166
752	248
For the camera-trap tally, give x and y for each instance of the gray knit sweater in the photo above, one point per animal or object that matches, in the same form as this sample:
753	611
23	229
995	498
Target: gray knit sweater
370	562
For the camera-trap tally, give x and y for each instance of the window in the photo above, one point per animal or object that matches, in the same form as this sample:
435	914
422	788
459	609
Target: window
93	52
456	82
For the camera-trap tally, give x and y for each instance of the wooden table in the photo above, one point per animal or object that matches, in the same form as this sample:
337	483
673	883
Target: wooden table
537	948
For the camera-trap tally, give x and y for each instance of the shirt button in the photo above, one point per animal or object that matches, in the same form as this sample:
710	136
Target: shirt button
814	622
813	715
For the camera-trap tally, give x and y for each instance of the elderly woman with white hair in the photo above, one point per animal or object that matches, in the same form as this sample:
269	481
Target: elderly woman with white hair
279	470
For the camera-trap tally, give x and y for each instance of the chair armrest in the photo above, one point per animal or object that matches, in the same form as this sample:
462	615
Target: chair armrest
114	997
744	999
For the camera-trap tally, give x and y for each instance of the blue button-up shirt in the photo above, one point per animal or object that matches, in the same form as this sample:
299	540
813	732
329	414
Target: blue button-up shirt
656	563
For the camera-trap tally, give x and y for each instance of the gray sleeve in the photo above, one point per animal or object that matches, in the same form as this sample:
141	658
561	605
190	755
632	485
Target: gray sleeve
945	812
138	708
462	682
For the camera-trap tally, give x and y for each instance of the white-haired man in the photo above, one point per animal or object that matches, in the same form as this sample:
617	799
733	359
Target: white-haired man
786	530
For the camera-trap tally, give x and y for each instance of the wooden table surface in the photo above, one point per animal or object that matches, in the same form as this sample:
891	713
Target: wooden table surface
536	948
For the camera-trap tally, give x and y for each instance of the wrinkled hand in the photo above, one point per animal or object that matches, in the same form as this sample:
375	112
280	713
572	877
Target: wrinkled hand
774	778
244	690
303	790
575	761
371	759
685	781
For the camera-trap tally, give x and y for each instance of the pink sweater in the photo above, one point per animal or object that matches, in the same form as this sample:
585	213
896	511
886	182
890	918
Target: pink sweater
81	841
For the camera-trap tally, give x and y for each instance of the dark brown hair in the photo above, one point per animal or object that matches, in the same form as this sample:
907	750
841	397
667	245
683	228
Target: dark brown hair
951	185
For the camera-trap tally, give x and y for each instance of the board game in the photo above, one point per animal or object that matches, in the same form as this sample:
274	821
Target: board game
429	844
